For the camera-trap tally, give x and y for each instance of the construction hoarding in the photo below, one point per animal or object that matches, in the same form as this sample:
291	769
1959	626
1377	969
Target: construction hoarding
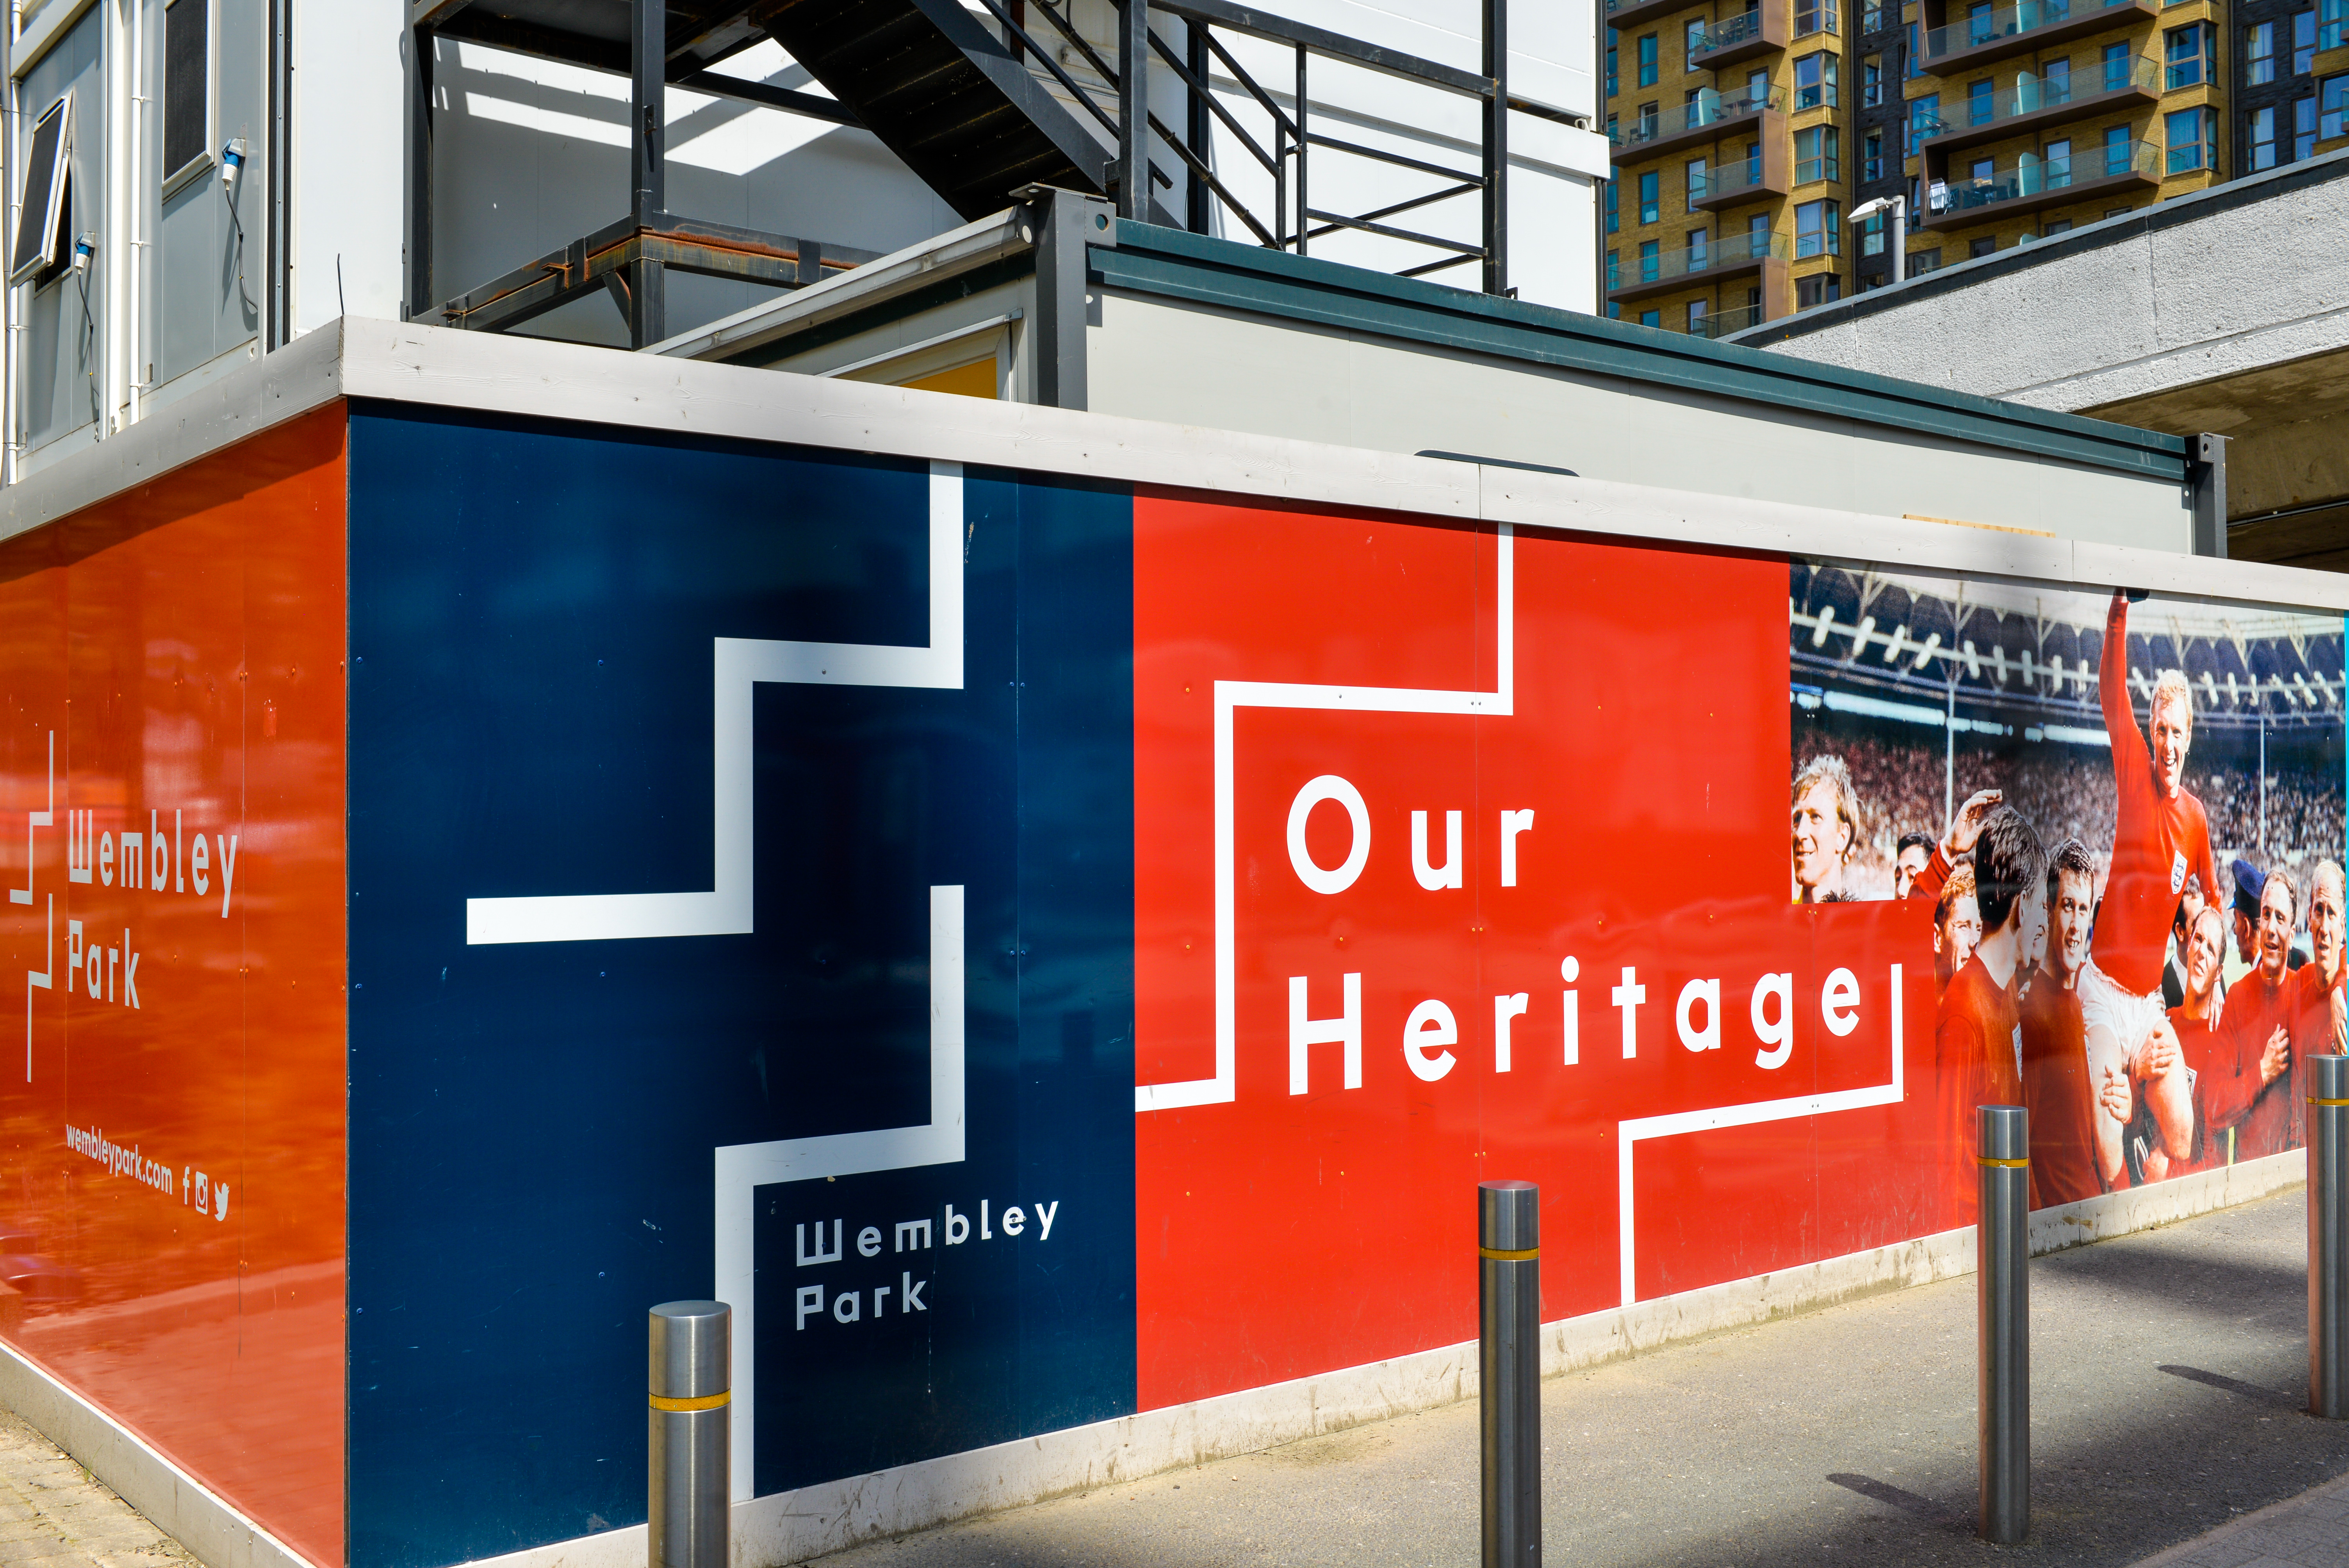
1042	950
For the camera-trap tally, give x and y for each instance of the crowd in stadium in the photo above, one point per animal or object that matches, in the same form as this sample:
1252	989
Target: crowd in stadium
2140	948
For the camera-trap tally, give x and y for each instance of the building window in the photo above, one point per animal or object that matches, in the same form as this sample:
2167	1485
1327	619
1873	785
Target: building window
1652	319
1647	60
2332	107
1699	182
1871	80
1980	98
1652	206
1696	318
1819	288
1614	281
42	247
1817	155
2332	25
2117	67
1700	250
1614	206
2303	128
1872	163
2118	160
1814	81
2056	226
2259	54
1692	42
1984	246
1871	235
1814	16
2190	51
1818	229
2262	137
187	88
1910	54
2055	165
1923	262
2304	42
2192	135
1924	121
1649	251
1613	86
1871	15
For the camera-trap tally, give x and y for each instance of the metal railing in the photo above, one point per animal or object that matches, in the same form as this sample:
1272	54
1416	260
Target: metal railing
1721	323
1280	147
2037	177
1722	34
2032	94
1725	182
2005	22
1705	109
1728	251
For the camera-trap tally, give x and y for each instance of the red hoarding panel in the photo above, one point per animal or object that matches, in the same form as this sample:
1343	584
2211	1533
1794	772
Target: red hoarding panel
1713	894
1391	710
172	1095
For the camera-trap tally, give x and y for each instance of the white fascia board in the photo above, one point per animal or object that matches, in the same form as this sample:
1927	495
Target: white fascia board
46	29
1584	152
408	362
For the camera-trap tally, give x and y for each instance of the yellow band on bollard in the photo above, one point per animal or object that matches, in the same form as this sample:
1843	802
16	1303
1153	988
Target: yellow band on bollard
2003	1164
1498	1256
2313	1100
706	1402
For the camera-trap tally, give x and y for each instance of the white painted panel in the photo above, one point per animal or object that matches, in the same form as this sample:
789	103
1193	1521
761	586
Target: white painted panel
350	118
1153	359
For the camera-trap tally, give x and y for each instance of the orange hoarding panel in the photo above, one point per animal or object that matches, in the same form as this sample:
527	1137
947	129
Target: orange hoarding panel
171	1108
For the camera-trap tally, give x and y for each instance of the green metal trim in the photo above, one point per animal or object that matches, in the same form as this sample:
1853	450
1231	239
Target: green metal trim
946	291
1151	259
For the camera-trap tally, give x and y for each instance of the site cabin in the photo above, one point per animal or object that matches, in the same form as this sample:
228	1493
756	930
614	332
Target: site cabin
1049	915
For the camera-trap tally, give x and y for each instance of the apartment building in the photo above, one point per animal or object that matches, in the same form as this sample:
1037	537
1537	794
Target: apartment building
1742	138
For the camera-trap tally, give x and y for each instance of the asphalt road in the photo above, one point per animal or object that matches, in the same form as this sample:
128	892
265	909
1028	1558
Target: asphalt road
2169	1371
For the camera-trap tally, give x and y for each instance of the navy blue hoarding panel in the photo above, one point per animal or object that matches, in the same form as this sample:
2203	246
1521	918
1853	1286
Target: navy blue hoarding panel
723	922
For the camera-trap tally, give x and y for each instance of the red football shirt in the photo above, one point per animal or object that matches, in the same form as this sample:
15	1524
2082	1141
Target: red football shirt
2208	1054
2157	842
2266	1118
2056	1087
1977	1041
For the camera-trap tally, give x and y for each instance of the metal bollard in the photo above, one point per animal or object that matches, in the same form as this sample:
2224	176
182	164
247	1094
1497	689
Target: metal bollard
2328	1237
2003	1307
1508	1290
692	1349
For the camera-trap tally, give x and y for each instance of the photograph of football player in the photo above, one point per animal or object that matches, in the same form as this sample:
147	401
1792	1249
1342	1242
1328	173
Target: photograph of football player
2258	1096
2195	1021
1977	1048
1826	828
1957	926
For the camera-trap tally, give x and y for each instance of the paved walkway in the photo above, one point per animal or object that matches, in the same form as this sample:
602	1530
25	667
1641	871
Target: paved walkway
52	1515
2169	1370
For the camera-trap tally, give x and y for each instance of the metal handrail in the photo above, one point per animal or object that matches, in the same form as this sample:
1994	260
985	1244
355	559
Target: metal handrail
1293	223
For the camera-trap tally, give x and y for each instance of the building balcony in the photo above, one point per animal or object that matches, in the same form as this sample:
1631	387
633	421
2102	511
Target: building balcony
1752	179
2020	29
1728	256
1742	38
1701	123
2129	168
1721	323
2034	105
1634	13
